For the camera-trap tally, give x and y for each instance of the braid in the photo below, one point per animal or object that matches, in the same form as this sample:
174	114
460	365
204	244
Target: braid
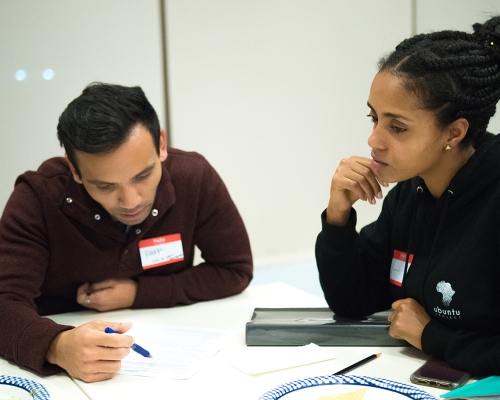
434	37
454	73
454	62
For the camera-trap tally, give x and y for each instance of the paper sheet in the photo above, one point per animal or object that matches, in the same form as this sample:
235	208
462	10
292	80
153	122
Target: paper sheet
178	351
257	360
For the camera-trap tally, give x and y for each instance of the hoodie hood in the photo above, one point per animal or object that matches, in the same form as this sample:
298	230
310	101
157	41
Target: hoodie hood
480	172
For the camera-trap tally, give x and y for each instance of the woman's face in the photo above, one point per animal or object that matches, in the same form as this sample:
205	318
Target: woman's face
405	140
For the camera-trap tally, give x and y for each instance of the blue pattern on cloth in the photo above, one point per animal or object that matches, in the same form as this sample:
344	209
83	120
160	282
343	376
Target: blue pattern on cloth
407	390
35	389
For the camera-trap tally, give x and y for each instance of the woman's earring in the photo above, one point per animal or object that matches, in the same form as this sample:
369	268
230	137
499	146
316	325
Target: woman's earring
448	147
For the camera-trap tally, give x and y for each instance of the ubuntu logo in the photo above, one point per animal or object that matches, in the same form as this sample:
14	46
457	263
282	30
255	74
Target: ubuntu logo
446	290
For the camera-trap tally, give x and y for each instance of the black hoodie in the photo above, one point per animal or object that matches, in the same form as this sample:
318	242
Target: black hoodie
452	247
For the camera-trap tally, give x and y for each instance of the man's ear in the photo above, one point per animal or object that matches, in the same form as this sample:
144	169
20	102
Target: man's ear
73	171
163	145
457	131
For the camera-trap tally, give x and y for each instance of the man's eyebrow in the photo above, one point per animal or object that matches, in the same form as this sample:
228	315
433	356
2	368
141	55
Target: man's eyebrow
391	115
144	171
98	182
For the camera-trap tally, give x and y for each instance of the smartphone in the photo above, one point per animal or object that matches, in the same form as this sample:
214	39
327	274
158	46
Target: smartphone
439	374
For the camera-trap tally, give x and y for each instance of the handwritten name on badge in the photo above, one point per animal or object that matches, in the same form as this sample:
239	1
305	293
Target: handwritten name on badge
161	250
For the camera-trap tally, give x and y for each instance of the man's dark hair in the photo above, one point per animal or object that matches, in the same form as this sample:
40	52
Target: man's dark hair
102	118
455	74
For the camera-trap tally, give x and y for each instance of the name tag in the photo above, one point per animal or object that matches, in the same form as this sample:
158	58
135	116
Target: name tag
398	267
161	250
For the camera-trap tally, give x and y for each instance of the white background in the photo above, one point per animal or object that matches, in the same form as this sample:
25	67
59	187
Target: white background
272	92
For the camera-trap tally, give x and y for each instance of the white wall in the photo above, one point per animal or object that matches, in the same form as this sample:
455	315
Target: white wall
273	93
115	41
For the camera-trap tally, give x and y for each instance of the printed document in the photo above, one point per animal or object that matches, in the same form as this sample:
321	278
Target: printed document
178	352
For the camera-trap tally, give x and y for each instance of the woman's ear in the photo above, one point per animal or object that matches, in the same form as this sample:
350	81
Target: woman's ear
457	131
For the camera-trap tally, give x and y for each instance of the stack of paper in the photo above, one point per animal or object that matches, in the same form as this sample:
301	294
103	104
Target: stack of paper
178	351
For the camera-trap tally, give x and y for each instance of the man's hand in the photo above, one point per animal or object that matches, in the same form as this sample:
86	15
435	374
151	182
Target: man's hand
353	180
110	294
89	354
408	321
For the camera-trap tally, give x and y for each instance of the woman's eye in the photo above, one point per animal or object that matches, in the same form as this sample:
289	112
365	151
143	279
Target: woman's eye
373	118
398	129
105	187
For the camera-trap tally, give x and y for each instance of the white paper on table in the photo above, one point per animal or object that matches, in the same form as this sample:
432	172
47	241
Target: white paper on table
257	360
178	352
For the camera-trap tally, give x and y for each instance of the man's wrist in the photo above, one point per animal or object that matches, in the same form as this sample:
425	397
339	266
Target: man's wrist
52	353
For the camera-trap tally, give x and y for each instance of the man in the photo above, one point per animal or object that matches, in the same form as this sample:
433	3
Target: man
111	225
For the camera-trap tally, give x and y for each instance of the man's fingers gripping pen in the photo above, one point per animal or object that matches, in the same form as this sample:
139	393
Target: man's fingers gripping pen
138	349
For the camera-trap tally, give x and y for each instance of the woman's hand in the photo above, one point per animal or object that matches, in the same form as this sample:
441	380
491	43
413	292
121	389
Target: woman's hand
353	180
408	321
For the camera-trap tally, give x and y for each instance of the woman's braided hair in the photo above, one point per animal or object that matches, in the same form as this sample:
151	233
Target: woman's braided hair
456	74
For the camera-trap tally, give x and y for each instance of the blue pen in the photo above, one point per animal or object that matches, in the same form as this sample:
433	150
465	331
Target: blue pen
138	349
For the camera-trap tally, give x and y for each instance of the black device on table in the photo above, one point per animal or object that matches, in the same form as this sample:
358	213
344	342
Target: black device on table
439	374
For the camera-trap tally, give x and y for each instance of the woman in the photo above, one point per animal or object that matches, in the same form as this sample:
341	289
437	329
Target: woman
434	252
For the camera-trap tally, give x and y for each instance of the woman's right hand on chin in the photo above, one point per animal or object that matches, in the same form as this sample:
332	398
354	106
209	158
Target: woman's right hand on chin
353	180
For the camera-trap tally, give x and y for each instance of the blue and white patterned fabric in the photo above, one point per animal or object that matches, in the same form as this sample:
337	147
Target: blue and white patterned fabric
406	390
35	389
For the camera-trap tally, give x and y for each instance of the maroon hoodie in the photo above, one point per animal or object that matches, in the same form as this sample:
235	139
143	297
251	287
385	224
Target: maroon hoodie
55	237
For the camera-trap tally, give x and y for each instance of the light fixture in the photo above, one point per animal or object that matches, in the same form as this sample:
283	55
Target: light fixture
48	74
21	75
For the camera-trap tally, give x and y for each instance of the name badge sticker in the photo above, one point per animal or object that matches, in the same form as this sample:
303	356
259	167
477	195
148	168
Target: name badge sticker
161	250
398	267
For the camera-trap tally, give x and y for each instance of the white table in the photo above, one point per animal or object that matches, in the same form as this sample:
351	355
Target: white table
219	380
60	386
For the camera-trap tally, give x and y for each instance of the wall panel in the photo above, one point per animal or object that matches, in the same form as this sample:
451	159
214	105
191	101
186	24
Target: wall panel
273	93
115	41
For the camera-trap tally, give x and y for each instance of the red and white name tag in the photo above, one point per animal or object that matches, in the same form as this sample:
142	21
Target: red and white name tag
161	250
398	267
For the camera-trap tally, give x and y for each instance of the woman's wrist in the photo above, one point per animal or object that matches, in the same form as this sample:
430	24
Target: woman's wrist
337	217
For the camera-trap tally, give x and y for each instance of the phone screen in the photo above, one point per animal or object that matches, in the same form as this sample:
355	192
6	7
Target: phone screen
439	374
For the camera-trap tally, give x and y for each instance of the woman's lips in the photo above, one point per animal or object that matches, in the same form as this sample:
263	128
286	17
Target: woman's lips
378	164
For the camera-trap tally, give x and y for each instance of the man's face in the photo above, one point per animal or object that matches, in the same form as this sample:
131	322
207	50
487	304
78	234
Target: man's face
125	180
